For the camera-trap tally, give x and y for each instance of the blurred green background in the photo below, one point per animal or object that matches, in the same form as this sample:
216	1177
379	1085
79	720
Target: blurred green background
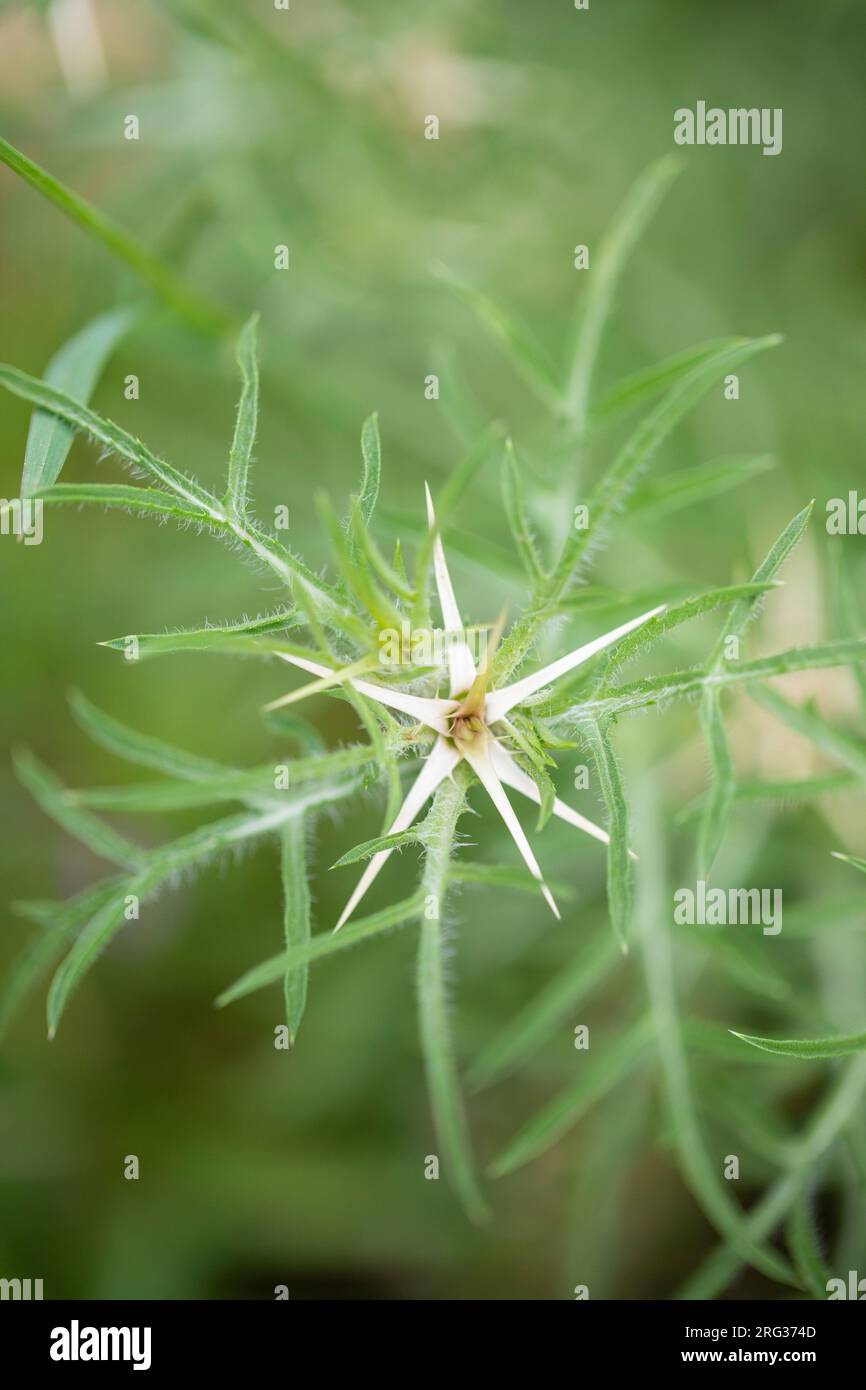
306	128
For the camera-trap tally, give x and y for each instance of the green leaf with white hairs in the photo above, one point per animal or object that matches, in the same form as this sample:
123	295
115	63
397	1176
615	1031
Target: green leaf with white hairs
57	923
109	435
140	459
616	485
163	865
237	494
446	499
250	637
88	947
75	369
518	518
802	1237
810	1049
142	501
371	454
619	880
371	847
720	796
658	691
674	616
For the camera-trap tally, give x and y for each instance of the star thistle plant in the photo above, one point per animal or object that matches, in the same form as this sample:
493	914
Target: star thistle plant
503	718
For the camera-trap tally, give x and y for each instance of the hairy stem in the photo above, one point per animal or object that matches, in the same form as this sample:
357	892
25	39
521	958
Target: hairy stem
441	1067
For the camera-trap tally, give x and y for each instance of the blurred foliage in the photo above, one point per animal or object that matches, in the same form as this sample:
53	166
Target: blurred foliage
260	128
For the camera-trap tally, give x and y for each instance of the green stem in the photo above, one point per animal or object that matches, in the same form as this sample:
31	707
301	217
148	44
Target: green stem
442	1077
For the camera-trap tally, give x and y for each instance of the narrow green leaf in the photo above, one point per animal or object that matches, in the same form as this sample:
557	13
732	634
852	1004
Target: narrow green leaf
809	1048
700	1171
603	278
362	543
744	611
836	743
605	1066
445	501
787	790
139	748
361	667
251	636
689	486
162	865
846	609
323	944
55	801
371	847
88	947
678	685
720	796
358	581
635	388
850	859
110	436
613	489
523	353
58	921
141	500
308	785
565	991
619	890
617	483
236	498
296	918
371	453
676	615
803	1244
515	510
188	303
75	369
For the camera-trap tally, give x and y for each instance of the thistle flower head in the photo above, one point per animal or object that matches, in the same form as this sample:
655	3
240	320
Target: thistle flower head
469	724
